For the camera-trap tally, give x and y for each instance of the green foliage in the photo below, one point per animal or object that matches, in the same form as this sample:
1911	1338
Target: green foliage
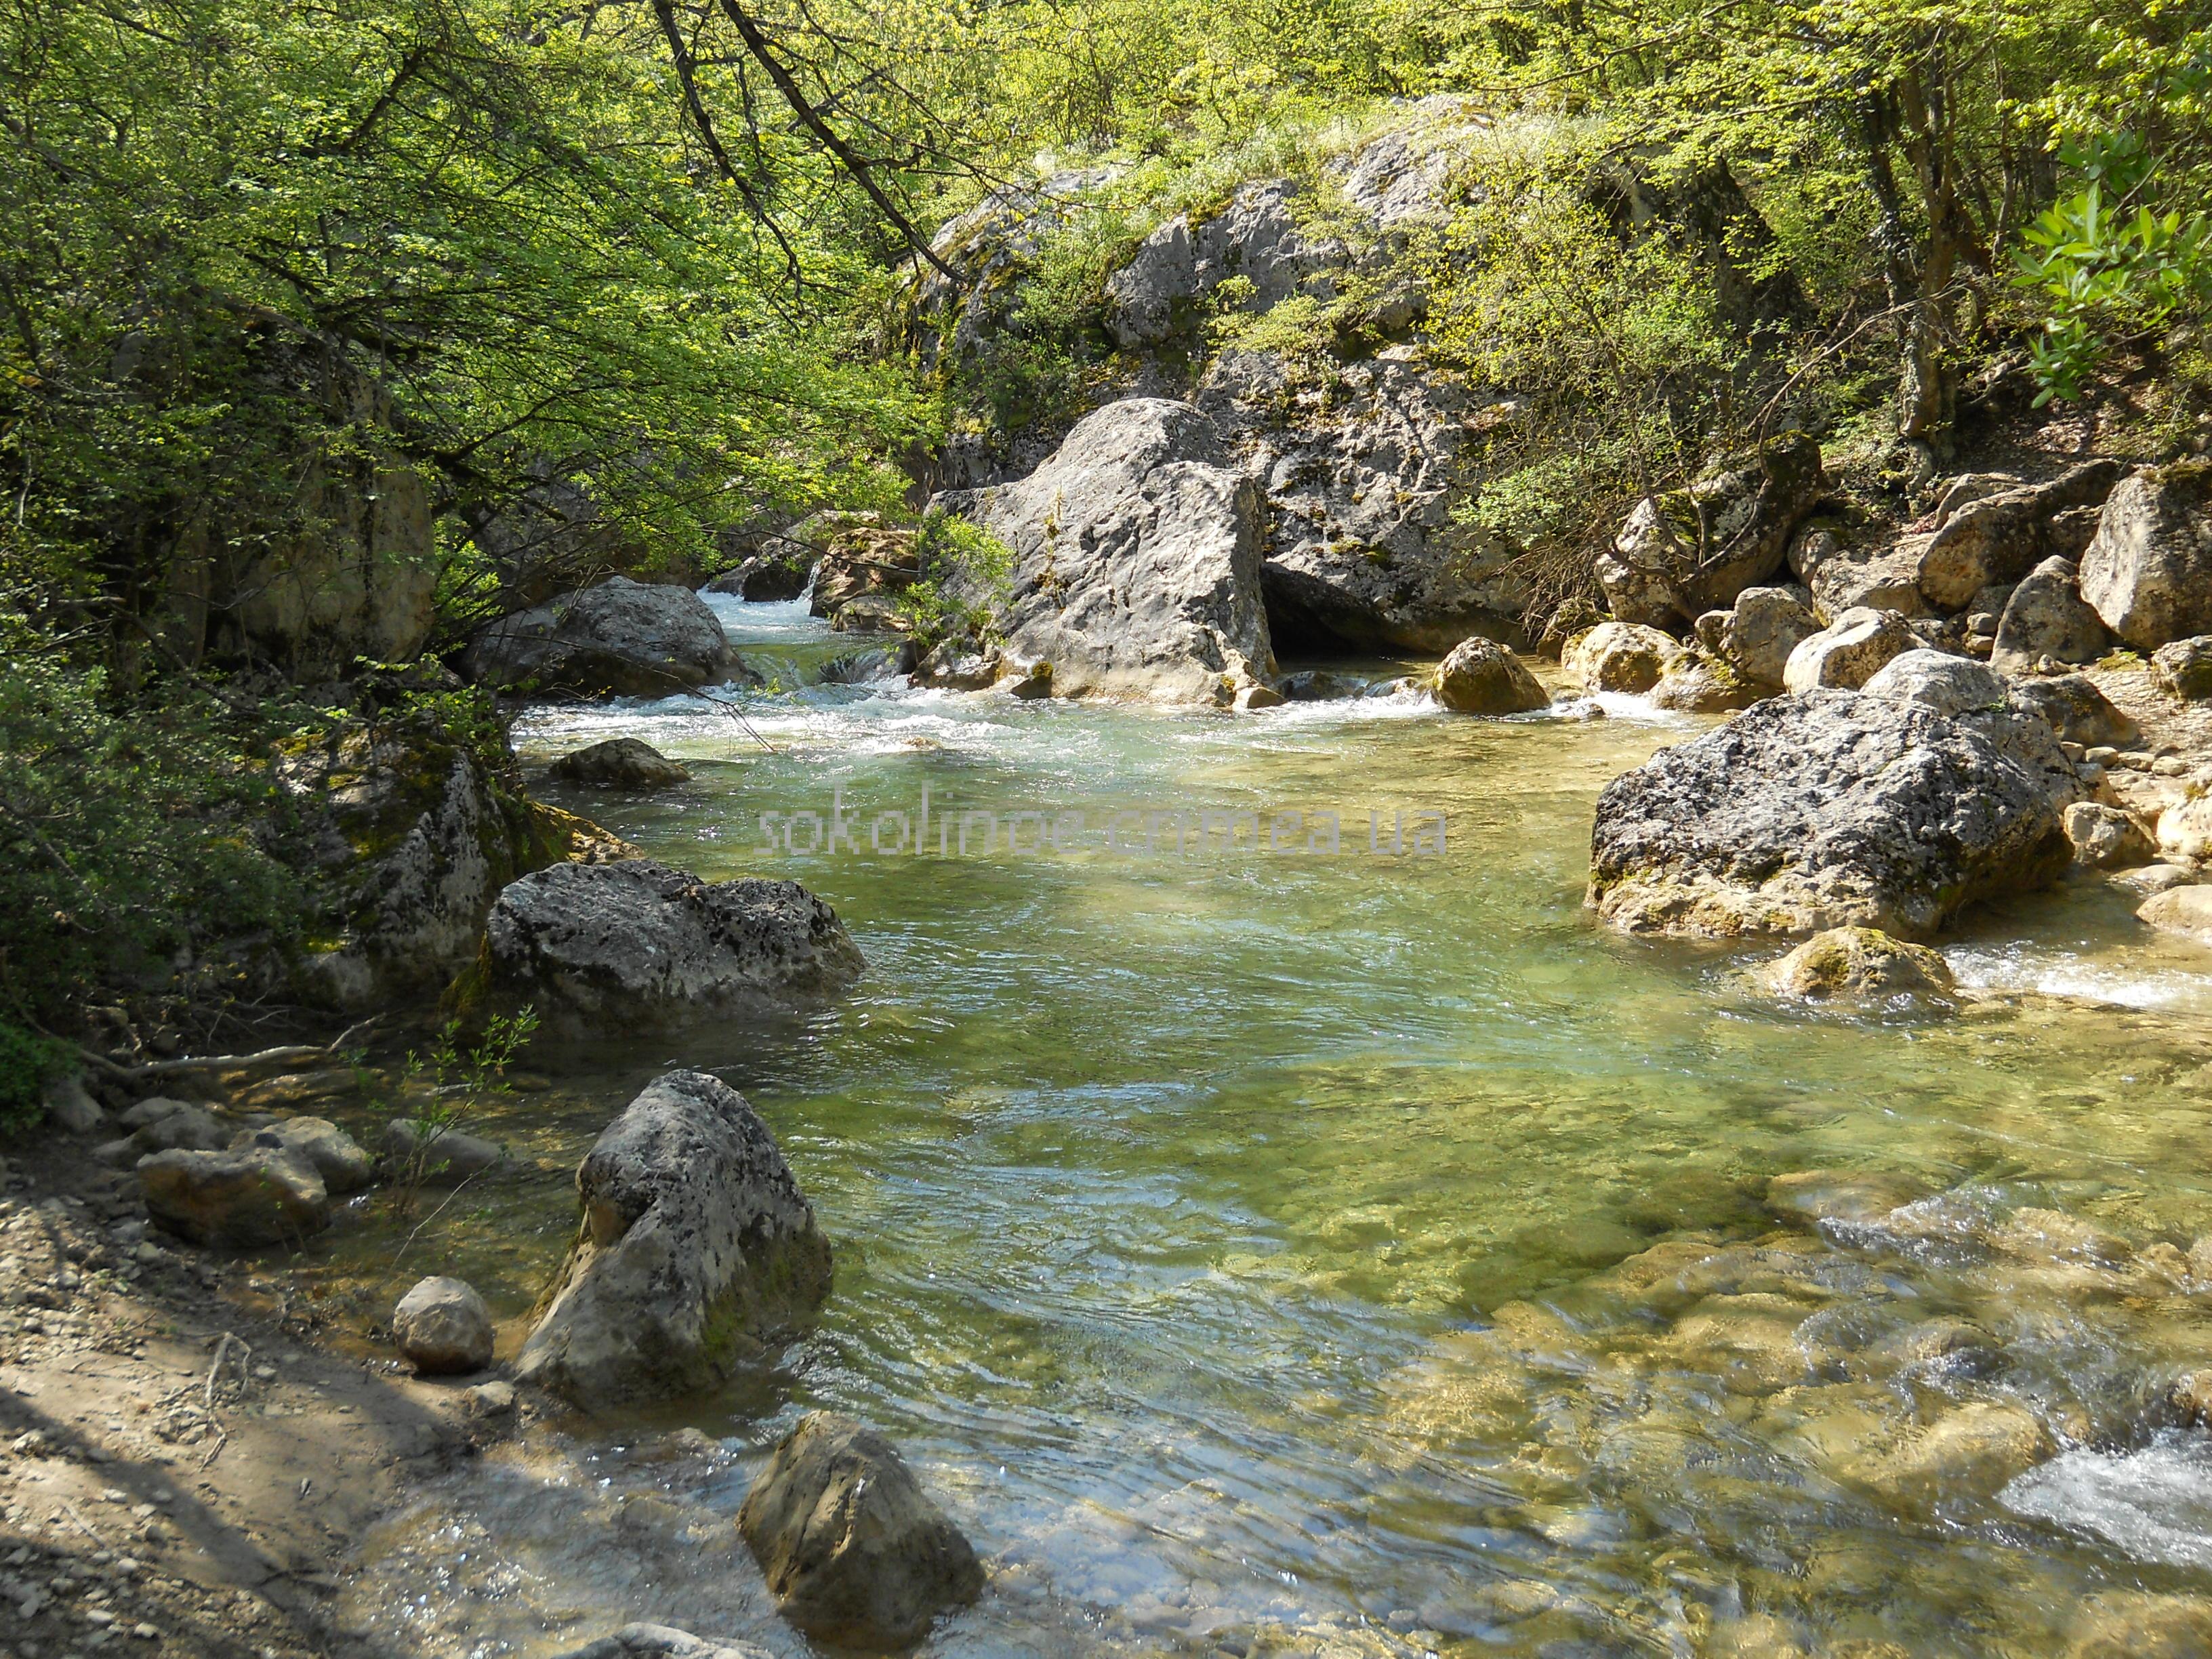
27	1060
1622	372
2102	270
128	831
966	574
459	1074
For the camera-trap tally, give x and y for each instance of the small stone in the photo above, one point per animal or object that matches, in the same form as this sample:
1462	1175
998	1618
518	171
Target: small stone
71	1109
489	1400
2107	837
443	1328
620	763
1255	695
2185	912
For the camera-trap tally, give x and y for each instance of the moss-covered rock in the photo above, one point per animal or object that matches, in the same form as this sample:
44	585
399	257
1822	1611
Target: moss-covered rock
1859	961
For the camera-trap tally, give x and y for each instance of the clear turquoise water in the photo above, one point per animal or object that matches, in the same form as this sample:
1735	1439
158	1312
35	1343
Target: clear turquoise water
1192	1211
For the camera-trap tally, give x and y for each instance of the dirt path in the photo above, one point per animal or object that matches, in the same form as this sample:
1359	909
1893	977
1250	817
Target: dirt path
180	1465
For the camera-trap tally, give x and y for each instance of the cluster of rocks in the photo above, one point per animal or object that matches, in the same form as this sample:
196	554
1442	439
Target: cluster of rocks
1915	762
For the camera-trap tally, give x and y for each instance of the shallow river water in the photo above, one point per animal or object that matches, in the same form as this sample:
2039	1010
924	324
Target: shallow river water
1268	1251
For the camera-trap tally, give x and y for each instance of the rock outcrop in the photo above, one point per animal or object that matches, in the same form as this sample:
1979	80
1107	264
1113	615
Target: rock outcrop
619	763
417	830
239	1201
614	947
2148	572
1137	551
1830	809
697	1253
443	1328
1682	555
621	638
855	1552
1481	677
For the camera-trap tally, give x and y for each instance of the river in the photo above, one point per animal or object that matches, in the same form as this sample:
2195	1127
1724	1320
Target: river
1232	1231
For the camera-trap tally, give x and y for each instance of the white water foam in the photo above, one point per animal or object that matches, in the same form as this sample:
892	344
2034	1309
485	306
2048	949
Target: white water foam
2154	1505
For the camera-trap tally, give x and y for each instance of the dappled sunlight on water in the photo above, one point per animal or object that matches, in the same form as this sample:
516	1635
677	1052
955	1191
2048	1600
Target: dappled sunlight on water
1265	1252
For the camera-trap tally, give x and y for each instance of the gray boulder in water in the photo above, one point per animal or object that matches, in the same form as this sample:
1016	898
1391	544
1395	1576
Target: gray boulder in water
1481	677
1137	549
1829	809
695	1253
621	639
619	763
611	946
853	1549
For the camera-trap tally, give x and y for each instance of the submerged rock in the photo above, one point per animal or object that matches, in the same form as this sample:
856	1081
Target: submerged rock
1858	961
243	1200
436	1155
619	763
1831	809
605	946
854	1550
2126	1623
1137	549
1481	677
1845	1195
443	1328
621	639
696	1252
1970	1453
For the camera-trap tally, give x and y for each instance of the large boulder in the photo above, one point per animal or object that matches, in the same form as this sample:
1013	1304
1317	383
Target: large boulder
1848	651
242	1200
2148	572
1756	635
1682	555
1137	551
697	1253
620	639
1986	536
1695	684
1886	578
332	1153
1481	677
611	946
1829	809
854	1551
2046	618
443	1328
1619	656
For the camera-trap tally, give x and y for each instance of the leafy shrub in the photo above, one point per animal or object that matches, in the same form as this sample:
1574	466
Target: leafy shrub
966	574
27	1061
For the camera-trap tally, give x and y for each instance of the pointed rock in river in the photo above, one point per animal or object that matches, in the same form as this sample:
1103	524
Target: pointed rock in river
697	1253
